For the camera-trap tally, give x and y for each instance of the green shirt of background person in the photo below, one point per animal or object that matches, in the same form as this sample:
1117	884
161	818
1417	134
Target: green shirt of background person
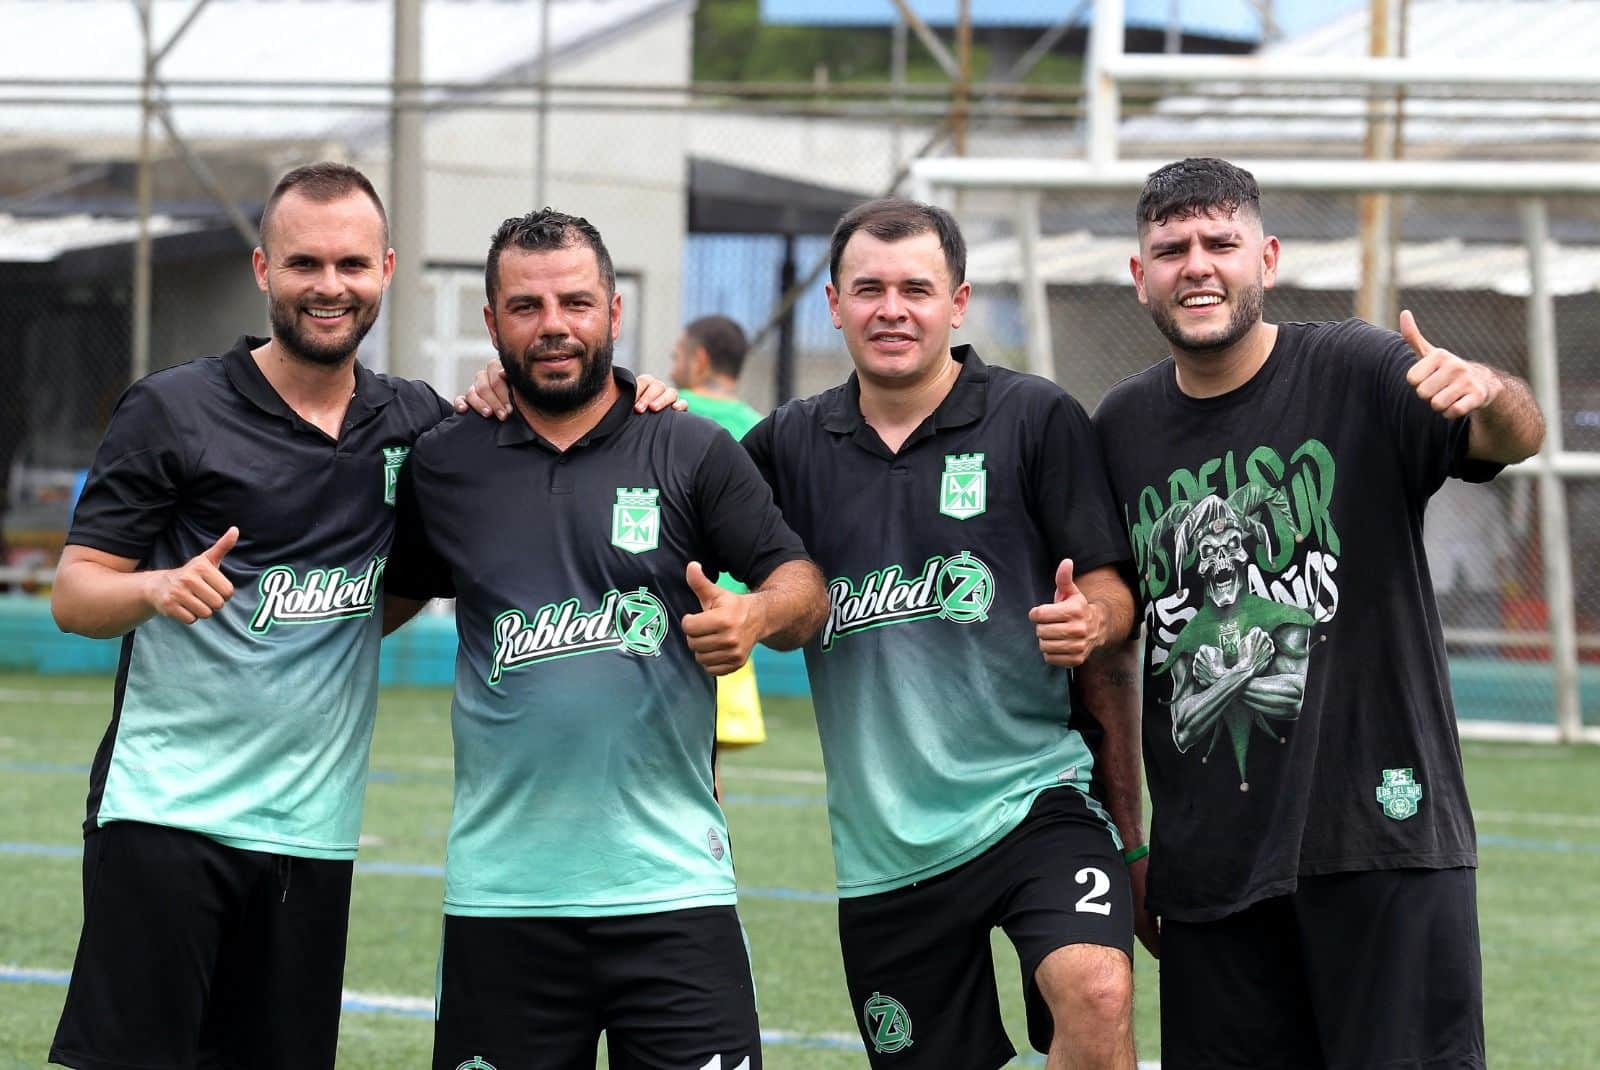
706	362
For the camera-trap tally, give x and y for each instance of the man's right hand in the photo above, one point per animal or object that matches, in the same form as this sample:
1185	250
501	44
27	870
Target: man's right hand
196	589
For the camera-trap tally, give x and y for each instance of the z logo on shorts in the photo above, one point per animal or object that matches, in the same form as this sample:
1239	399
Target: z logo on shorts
888	1024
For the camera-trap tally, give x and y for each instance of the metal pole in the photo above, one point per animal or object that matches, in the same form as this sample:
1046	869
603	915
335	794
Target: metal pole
963	82
1035	295
1173	43
541	172
897	82
406	178
1376	296
783	372
1105	49
139	361
1555	535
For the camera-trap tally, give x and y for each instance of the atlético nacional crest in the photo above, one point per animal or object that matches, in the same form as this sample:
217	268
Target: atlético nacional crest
1399	793
888	1024
393	458
636	519
962	492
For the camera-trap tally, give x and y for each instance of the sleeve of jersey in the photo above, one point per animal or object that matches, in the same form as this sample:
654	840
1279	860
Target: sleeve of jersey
415	569
135	481
1429	447
1071	495
757	443
740	520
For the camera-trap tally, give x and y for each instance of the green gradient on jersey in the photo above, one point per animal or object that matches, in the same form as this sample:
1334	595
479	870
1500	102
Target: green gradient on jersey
940	724
594	739
256	738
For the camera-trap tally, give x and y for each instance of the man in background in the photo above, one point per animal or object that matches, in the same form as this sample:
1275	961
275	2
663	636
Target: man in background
706	362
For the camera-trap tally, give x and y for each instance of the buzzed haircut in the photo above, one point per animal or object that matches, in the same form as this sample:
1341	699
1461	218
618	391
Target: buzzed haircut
321	183
545	231
1199	185
724	343
893	219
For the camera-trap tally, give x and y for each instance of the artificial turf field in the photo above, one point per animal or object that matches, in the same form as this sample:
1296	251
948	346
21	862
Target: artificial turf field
1538	811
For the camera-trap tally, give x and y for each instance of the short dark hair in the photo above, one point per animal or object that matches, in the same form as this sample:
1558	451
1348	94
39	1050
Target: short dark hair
1196	186
321	183
724	343
898	218
544	231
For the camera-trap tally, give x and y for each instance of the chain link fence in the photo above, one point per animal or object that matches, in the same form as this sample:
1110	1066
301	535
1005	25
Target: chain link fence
714	199
1463	271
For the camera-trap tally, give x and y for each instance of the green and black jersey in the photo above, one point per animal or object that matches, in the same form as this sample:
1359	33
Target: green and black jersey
1297	711
252	726
940	721
583	725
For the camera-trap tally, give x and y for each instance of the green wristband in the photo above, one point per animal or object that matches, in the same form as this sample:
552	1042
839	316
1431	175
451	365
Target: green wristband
1137	853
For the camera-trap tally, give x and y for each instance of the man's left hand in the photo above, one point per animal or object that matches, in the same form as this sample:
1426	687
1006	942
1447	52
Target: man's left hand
1453	386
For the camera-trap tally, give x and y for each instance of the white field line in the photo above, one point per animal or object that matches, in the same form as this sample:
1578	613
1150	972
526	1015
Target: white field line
56	698
778	776
1530	817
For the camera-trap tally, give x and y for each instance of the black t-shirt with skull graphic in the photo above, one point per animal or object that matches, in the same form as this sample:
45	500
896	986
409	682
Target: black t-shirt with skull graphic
1297	711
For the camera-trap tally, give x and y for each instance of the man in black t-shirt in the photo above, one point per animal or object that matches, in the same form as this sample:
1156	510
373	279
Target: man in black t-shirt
1312	847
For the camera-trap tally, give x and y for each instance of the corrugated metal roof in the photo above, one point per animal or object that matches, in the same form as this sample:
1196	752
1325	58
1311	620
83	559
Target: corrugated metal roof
243	41
39	240
1081	258
1499	34
1213	18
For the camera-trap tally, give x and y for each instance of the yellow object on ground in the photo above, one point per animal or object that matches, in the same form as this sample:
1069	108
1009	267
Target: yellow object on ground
739	721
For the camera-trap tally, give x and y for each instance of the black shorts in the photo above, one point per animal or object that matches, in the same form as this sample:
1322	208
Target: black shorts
918	962
672	991
1350	972
198	954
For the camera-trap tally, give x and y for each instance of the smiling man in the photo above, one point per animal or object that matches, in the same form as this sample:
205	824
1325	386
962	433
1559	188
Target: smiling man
1313	849
589	877
235	531
961	514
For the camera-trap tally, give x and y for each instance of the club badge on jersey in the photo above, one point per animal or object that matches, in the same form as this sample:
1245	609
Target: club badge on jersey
636	519
963	490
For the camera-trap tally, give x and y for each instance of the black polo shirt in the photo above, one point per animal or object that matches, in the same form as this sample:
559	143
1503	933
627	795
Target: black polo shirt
583	725
251	726
940	721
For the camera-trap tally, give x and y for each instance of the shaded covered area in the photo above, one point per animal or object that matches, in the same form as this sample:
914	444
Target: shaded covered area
728	200
66	281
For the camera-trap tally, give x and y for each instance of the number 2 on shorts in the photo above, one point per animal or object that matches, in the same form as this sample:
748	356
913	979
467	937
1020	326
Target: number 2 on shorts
1099	884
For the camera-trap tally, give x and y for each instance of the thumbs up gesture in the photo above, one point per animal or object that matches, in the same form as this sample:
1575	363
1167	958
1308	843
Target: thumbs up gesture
1071	627
722	634
1454	387
197	588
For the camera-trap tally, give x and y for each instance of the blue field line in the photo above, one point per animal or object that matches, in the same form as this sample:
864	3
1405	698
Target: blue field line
356	1003
1547	846
416	869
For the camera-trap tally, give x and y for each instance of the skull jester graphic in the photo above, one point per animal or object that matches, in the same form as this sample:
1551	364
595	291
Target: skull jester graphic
1240	663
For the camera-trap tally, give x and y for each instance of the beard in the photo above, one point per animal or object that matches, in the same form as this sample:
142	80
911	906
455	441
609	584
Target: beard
1247	303
565	396
285	317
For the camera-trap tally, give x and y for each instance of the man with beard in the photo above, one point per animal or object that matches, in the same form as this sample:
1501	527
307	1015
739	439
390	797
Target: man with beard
588	883
1321	911
234	530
